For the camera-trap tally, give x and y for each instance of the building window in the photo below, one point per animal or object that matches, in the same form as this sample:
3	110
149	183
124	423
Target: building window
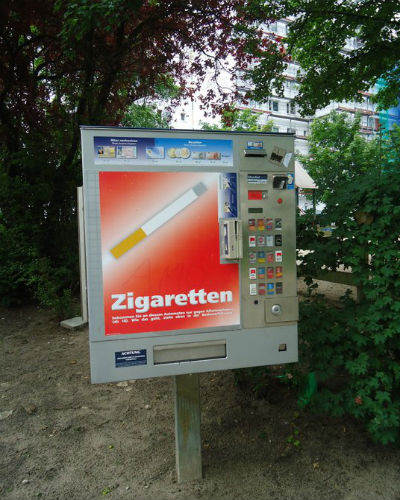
183	116
305	133
273	105
371	121
291	84
275	129
291	108
291	130
254	104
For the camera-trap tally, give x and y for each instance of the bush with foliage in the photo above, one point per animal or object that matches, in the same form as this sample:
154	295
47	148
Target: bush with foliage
354	347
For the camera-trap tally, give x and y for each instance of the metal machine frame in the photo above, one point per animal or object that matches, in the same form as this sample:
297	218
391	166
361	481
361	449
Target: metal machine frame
259	239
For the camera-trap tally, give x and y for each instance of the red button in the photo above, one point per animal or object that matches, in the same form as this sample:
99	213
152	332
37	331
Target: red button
280	201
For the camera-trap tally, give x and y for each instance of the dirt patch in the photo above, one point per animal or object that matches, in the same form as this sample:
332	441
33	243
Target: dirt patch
331	291
63	438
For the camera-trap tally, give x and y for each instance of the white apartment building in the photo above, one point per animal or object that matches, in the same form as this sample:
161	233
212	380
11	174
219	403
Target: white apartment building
282	110
284	113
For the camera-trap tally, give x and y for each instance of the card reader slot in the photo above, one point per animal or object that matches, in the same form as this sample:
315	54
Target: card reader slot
255	152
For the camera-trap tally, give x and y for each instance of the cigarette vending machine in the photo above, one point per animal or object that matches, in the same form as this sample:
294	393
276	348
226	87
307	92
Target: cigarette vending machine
190	248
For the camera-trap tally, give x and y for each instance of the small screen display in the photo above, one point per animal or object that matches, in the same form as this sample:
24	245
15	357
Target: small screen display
255	210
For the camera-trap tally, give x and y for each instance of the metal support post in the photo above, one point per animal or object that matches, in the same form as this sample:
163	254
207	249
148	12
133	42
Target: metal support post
187	427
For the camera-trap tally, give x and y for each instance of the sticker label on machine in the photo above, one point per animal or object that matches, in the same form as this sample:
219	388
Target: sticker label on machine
160	253
255	144
134	357
257	178
228	199
162	151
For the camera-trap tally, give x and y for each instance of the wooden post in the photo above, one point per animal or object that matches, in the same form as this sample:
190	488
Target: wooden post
187	427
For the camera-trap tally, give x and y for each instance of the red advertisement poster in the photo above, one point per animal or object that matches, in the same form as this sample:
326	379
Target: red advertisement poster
160	253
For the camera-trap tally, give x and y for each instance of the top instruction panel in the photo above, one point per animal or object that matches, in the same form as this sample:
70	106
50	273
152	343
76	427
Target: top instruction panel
162	151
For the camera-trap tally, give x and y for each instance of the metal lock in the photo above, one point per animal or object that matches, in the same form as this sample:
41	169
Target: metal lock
276	309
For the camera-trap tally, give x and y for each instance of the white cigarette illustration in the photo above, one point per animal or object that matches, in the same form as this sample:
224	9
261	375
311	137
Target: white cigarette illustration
159	219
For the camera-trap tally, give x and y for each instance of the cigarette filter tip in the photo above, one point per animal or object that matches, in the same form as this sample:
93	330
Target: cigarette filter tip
129	242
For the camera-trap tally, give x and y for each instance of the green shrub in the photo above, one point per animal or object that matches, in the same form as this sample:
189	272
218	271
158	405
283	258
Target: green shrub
351	347
354	347
38	224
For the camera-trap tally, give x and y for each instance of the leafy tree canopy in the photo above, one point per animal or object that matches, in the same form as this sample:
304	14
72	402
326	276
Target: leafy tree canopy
69	62
144	116
316	38
236	119
338	153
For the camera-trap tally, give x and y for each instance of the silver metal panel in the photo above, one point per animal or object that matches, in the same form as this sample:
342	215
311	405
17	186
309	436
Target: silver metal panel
244	348
277	204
